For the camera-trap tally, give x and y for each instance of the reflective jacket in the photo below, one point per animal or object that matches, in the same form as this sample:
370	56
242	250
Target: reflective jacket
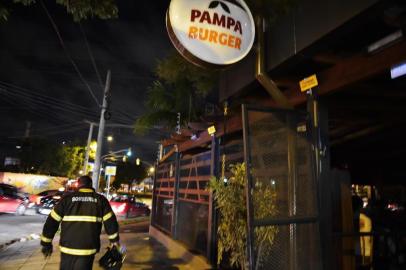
81	215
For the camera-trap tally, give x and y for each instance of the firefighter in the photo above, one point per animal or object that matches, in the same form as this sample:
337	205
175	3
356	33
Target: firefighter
81	215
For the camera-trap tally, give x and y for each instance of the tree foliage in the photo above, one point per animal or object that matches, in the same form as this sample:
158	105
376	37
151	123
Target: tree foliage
232	228
127	172
43	157
181	87
79	9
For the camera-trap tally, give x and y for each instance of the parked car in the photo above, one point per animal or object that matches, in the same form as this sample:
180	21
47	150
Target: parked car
128	206
35	199
48	202
10	201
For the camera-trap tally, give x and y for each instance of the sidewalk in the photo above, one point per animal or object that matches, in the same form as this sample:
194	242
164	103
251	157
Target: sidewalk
143	252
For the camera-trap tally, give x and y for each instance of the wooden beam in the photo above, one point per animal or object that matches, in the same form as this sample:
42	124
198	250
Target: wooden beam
167	155
285	82
352	70
232	125
168	142
327	58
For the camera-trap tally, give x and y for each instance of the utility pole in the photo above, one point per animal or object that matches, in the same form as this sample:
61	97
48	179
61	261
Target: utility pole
89	139
105	115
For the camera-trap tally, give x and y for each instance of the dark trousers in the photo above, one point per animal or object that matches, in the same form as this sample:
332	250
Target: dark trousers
72	262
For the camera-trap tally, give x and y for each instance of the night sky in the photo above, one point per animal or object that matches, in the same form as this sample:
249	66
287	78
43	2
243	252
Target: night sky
38	82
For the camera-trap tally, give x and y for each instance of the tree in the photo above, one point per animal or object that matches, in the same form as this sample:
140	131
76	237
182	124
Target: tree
182	88
232	227
127	172
44	157
79	9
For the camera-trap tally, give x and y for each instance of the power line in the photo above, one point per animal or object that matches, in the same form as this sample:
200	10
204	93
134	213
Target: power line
70	130
67	54
89	51
46	104
35	95
29	108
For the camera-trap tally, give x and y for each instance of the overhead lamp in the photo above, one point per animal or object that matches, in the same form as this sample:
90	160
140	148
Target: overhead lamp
385	41
398	70
110	138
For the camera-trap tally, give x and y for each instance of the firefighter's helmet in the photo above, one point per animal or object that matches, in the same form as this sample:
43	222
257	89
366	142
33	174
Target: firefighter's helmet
113	259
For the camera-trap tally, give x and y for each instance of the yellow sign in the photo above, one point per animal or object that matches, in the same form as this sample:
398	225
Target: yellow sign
211	130
308	83
110	170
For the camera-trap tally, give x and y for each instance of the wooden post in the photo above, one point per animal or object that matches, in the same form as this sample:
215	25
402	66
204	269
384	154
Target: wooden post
212	217
175	205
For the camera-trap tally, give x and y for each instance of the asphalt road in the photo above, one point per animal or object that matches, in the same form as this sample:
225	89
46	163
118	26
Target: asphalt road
13	227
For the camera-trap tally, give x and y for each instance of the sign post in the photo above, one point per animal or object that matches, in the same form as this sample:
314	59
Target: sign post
110	170
308	83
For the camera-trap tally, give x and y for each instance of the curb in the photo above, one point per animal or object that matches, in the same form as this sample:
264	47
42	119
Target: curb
133	221
30	237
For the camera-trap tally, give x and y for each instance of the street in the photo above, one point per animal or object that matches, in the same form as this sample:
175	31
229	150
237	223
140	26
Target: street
15	227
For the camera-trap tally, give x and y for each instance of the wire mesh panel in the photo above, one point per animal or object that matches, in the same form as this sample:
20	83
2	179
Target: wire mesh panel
287	252
282	192
233	153
193	226
193	201
163	196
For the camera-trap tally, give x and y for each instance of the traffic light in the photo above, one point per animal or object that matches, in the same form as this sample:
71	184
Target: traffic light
138	161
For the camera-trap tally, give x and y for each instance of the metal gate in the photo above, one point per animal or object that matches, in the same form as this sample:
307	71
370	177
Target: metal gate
284	233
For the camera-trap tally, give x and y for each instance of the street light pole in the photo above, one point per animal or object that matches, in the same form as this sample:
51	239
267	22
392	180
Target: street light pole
100	135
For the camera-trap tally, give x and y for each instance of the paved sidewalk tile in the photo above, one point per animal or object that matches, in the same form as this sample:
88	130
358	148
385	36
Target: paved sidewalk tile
143	253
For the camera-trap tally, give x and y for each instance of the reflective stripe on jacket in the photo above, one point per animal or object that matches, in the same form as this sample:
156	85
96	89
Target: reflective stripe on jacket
81	216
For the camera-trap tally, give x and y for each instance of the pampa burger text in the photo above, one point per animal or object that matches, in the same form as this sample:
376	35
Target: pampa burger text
211	33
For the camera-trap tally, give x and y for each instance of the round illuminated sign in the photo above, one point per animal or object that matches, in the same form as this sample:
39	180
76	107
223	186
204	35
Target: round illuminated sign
211	33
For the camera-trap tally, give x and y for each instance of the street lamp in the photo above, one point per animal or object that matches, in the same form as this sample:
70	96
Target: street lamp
110	138
151	169
127	152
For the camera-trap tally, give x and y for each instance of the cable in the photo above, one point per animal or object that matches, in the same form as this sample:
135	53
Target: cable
12	101
36	93
50	133
89	50
67	54
29	100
